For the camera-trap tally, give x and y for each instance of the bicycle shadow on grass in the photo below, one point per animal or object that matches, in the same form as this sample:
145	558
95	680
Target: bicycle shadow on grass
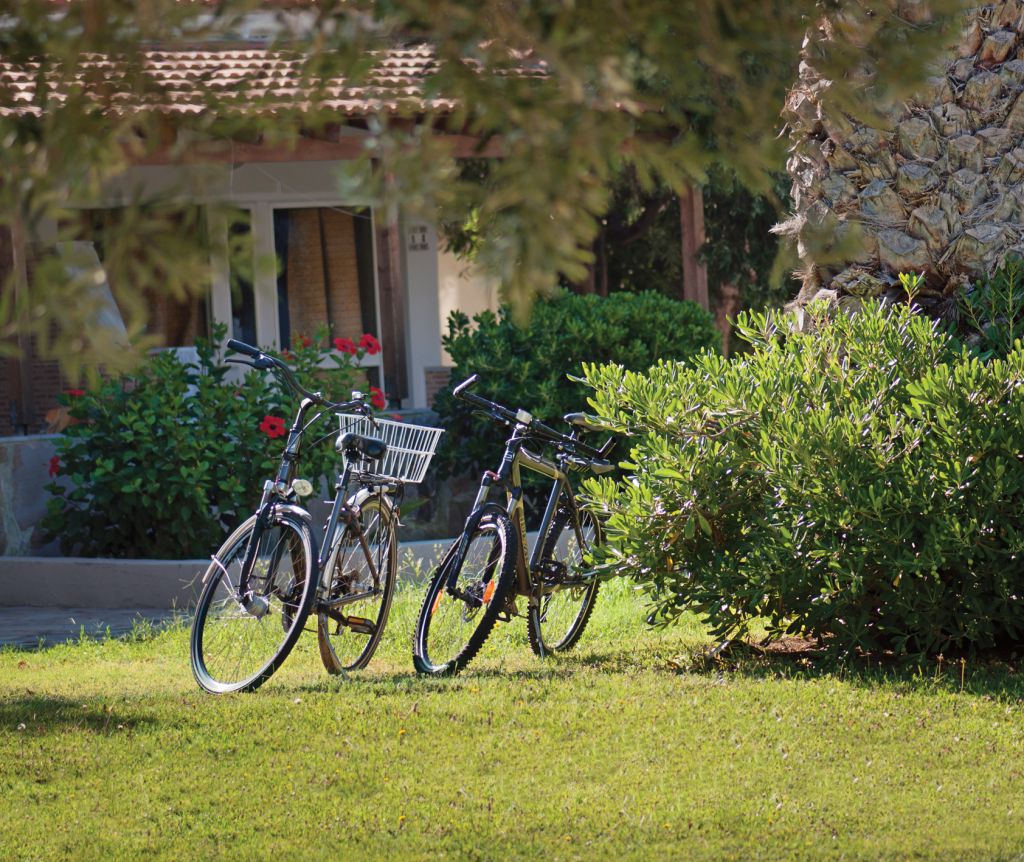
390	682
984	676
43	715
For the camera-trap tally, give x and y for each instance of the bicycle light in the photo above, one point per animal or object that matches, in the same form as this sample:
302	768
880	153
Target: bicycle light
523	418
302	487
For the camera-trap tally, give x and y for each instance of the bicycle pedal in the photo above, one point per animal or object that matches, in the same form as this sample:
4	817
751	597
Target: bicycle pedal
360	624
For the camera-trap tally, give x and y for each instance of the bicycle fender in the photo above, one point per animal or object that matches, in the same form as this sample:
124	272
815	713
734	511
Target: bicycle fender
296	511
357	499
302	515
287	508
364	494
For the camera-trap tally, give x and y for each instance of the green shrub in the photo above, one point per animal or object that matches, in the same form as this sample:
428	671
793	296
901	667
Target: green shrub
991	312
862	484
530	366
162	464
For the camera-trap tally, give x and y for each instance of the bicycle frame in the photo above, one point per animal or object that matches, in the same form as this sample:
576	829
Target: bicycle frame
509	477
277	491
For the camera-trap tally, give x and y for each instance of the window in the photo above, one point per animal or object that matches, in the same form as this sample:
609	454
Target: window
325	276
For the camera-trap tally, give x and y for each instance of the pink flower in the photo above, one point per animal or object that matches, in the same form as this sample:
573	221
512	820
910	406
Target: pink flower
370	344
345	345
272	426
54	466
377	398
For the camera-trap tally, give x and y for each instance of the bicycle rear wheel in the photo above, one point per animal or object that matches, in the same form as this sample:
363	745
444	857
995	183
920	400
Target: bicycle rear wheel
348	633
557	622
453	625
237	648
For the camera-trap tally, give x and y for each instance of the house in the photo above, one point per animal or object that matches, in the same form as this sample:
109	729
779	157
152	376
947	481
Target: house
341	262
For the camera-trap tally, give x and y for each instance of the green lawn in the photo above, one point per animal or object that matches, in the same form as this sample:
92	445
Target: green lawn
108	750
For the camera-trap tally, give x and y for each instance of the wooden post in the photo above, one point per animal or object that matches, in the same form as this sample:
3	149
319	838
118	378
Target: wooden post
691	219
392	303
14	278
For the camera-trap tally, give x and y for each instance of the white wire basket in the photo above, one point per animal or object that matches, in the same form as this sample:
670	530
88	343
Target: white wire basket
410	447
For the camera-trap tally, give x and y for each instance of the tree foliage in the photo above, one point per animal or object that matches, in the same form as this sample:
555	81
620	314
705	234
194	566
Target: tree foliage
568	92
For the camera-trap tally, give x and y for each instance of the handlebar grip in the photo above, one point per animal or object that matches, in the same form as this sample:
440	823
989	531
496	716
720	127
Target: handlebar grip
242	347
468	383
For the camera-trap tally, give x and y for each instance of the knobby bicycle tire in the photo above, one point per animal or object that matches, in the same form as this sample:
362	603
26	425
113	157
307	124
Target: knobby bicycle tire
224	633
557	621
451	630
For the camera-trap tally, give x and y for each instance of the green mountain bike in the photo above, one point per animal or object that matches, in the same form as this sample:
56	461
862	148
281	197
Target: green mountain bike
489	567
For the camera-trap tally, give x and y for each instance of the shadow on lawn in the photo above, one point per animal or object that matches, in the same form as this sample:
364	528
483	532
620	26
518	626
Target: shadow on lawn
43	715
988	677
383	683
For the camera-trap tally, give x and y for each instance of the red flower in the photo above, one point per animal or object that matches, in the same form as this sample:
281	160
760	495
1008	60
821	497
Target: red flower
377	398
345	345
397	417
370	344
304	340
75	393
54	466
285	354
272	426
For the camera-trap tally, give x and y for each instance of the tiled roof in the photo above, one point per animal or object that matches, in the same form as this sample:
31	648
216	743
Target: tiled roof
187	82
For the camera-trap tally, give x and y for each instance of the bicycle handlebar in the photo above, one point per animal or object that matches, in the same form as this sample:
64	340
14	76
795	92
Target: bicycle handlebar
522	417
264	361
242	347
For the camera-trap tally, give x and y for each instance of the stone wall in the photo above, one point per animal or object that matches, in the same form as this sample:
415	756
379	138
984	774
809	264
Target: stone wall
24	473
433	509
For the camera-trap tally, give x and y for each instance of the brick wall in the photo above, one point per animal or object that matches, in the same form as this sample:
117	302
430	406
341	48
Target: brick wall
307	302
436	379
175	323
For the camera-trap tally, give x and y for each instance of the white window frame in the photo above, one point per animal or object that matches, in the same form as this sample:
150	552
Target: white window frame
268	324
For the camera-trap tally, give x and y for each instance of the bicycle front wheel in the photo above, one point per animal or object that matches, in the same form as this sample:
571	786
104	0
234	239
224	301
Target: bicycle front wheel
566	600
454	623
361	582
238	642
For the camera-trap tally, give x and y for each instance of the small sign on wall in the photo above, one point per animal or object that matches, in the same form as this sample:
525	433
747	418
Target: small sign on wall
419	238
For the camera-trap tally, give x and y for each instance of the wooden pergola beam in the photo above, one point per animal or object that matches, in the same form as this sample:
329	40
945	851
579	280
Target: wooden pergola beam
14	277
391	294
303	149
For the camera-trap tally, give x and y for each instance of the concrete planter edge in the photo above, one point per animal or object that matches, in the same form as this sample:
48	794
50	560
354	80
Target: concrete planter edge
83	582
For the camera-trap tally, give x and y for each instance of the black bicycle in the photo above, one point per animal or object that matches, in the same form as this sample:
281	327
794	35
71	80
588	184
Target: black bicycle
267	577
485	571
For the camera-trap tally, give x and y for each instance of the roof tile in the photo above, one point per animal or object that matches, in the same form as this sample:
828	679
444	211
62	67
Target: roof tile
182	82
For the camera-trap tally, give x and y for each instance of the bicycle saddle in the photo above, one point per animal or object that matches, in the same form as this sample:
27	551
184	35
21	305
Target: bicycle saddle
582	420
353	445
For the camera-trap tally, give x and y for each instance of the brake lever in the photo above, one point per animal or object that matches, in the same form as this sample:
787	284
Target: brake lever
233	361
494	417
